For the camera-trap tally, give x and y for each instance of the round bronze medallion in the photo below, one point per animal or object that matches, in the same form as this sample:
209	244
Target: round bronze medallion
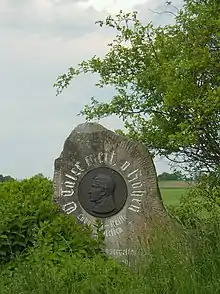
102	192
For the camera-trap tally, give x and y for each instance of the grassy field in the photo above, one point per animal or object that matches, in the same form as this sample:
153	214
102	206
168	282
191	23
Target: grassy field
172	191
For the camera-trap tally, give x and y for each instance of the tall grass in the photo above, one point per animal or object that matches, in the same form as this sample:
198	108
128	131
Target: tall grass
58	257
169	262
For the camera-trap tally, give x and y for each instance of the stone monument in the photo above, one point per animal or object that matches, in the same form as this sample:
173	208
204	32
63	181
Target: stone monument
100	174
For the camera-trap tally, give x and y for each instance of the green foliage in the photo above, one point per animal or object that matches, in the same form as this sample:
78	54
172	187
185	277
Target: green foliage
30	220
167	82
201	203
5	178
71	275
61	257
170	264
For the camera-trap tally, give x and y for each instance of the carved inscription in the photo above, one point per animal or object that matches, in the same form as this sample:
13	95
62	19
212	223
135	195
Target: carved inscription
70	207
102	157
71	179
113	232
83	218
102	191
119	252
133	177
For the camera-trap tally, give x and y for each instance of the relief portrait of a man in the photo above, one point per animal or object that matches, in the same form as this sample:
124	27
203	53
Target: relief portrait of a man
101	194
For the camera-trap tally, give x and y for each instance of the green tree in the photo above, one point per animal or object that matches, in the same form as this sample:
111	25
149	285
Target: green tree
40	175
5	178
167	82
176	176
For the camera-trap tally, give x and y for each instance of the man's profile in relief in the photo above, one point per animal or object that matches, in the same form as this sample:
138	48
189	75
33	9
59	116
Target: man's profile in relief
102	194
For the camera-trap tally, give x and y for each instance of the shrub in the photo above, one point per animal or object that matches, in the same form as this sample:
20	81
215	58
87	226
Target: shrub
201	205
73	274
30	219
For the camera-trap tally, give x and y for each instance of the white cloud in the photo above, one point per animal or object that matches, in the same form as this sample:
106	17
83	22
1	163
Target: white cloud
48	18
40	39
112	6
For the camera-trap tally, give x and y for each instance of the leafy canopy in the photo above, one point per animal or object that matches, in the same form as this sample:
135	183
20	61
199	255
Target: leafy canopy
167	82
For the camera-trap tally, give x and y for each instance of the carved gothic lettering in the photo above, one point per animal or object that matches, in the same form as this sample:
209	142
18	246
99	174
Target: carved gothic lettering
137	200
138	193
133	176
77	165
134	208
101	157
71	177
69	184
125	165
137	185
90	159
70	207
80	217
113	232
112	157
67	193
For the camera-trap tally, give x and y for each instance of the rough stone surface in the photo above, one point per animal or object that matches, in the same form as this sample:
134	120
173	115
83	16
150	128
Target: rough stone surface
103	175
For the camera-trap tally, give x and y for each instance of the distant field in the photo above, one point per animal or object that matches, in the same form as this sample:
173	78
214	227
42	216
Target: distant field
172	191
174	184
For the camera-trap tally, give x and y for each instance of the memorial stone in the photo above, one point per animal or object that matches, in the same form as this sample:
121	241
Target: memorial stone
100	174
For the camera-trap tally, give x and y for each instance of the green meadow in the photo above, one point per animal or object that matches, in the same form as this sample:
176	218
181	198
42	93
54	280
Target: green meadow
172	191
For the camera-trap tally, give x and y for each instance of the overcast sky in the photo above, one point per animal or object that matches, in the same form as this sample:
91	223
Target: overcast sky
40	39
